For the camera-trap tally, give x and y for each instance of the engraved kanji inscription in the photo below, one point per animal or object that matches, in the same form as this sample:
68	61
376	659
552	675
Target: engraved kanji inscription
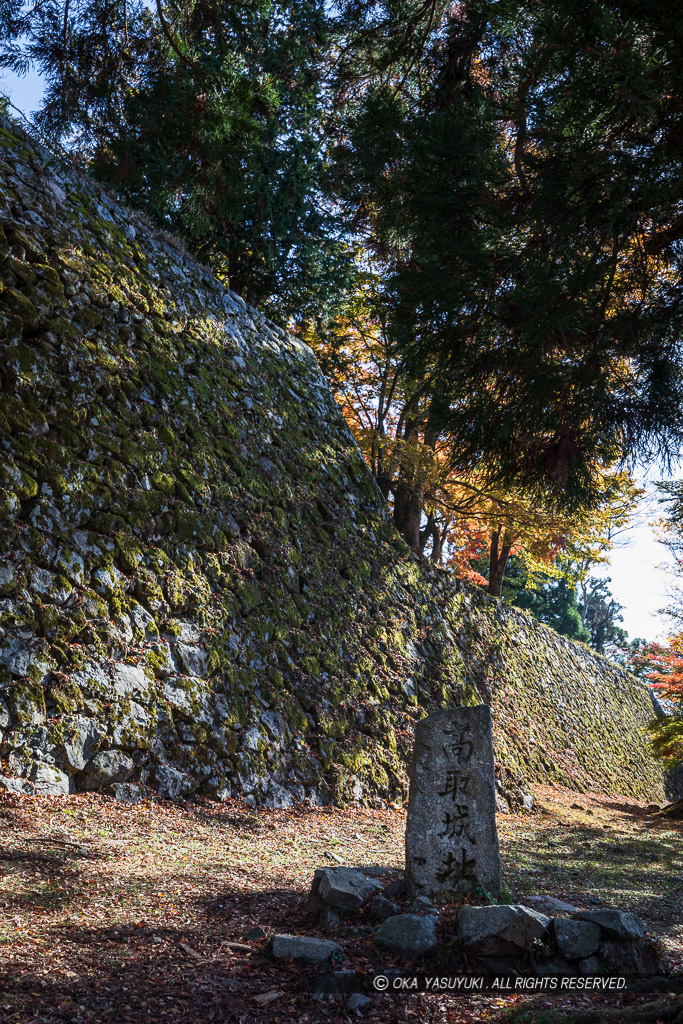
458	823
451	839
455	785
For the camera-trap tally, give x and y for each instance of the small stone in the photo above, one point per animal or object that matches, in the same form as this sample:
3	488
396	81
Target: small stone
500	930
127	792
330	920
395	888
357	1002
615	923
407	935
336	983
381	908
303	948
576	939
255	934
422	905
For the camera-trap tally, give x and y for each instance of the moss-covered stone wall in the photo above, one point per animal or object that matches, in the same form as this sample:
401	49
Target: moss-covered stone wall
199	587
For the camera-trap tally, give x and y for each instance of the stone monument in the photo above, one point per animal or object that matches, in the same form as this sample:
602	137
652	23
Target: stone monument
451	837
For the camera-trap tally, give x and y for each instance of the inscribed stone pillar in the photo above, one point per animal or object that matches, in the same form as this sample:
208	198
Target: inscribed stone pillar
451	837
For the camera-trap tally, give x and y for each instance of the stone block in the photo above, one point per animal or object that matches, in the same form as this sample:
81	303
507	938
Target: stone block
408	935
576	939
500	930
304	949
618	924
342	888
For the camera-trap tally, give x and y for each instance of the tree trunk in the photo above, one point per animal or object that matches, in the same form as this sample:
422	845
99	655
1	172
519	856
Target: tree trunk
407	513
498	559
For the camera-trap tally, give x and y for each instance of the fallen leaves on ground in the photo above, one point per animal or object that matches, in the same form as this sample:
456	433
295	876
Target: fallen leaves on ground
115	913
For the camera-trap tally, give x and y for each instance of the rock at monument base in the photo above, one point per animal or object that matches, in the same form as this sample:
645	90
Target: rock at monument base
341	888
500	930
451	837
550	905
631	957
408	935
576	940
381	908
618	924
591	965
558	967
346	888
421	905
304	948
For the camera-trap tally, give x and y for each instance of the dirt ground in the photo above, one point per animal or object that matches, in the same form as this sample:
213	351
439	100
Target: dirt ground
115	913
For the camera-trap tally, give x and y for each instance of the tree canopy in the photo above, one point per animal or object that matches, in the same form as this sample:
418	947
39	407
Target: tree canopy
489	192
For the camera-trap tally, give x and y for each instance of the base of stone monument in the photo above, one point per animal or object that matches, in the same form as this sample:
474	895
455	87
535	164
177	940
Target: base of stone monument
547	938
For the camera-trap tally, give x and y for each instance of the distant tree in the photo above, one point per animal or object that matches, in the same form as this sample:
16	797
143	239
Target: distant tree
662	663
550	599
441	510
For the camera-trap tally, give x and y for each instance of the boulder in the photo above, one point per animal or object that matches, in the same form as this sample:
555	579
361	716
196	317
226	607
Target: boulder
408	935
576	939
49	781
105	769
617	924
127	792
81	736
171	783
630	957
277	796
341	887
500	930
303	948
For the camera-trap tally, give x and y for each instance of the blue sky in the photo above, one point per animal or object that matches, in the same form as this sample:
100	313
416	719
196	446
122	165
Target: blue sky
638	569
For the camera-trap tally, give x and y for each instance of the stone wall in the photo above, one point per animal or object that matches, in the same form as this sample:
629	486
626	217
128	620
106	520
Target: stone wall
199	587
